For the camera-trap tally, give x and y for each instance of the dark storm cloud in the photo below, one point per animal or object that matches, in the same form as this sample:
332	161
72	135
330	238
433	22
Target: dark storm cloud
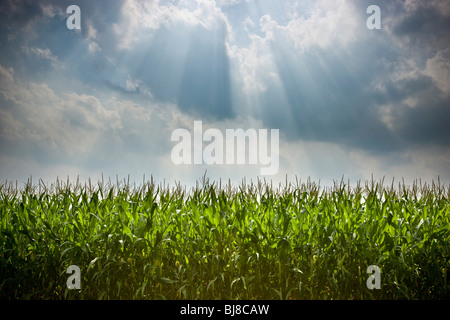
426	26
426	122
326	100
19	14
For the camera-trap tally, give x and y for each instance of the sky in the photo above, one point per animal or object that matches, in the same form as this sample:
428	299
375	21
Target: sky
349	102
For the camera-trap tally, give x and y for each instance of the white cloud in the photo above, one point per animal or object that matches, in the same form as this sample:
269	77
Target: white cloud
253	64
438	68
44	54
91	37
329	23
6	79
69	121
386	116
139	18
41	116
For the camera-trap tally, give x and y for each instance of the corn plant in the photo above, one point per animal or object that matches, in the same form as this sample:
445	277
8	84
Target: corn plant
224	241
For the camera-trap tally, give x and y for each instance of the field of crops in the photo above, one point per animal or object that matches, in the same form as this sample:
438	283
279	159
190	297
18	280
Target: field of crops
223	241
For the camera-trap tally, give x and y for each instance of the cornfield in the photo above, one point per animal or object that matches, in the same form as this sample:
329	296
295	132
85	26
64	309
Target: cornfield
224	241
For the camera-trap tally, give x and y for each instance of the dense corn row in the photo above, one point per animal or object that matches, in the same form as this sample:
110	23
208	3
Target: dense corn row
224	242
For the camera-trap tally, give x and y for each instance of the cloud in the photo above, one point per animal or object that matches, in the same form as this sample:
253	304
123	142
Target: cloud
39	124
68	124
438	68
142	17
44	54
178	53
422	24
21	14
323	76
346	99
328	24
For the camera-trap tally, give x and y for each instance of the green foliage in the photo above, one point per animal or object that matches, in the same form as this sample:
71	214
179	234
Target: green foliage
224	242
